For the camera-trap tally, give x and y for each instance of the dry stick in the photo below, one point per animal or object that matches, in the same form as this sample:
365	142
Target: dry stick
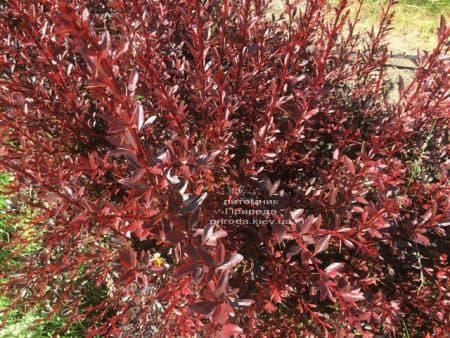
408	57
400	67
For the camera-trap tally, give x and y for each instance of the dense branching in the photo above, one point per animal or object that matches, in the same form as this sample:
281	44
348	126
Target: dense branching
209	168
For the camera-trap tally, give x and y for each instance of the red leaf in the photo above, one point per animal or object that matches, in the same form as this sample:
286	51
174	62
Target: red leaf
174	236
324	290
122	48
203	308
234	260
194	219
242	302
275	294
354	295
229	330
293	250
185	268
221	314
427	216
222	284
210	236
132	82
220	253
348	244
296	215
197	273
128	257
306	227
349	164
134	180
423	240
205	256
139	116
149	121
334	267
270	307
322	244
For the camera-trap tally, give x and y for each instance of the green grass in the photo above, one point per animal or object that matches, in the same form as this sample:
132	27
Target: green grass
414	25
21	324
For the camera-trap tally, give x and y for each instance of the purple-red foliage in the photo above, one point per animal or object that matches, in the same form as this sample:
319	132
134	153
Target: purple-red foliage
129	123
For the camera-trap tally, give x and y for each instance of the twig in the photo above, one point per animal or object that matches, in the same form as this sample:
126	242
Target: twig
419	261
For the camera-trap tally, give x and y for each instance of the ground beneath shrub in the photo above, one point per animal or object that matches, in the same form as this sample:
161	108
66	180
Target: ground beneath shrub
414	28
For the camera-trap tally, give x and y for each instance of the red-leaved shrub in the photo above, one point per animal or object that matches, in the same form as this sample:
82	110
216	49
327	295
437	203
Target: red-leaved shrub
214	170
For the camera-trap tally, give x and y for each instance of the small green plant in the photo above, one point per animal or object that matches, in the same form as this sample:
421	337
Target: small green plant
417	167
22	323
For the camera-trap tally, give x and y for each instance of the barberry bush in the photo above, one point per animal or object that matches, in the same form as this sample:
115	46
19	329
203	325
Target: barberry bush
206	168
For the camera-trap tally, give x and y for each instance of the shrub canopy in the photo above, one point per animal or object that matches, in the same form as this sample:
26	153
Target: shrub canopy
208	168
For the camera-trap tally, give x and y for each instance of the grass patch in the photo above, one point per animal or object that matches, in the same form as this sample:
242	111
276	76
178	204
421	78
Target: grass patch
414	26
20	323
